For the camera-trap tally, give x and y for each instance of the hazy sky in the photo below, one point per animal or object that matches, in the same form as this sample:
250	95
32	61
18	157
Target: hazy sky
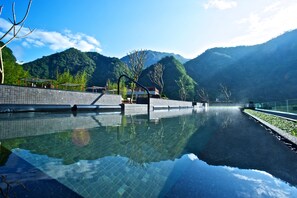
115	27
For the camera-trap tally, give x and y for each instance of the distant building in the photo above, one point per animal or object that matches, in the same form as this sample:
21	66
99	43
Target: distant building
140	92
96	89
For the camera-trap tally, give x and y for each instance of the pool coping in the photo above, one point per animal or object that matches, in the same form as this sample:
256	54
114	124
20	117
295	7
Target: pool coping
279	131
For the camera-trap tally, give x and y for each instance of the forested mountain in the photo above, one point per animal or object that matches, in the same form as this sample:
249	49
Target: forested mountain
153	57
262	72
98	68
173	72
106	69
70	59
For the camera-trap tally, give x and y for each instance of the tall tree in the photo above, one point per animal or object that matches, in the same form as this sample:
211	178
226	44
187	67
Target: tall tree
203	95
182	88
225	91
12	33
136	66
186	87
156	76
80	80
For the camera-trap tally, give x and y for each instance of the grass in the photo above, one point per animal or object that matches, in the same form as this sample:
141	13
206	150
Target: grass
285	125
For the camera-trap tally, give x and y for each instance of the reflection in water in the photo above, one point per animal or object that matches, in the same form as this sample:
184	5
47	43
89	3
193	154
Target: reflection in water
219	152
80	137
244	144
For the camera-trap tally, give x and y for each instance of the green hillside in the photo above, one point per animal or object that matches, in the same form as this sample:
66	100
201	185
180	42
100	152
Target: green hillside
99	68
173	71
261	72
70	59
106	68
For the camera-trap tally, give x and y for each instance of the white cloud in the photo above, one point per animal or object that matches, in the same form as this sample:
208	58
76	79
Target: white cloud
56	41
60	41
266	187
274	20
4	25
220	4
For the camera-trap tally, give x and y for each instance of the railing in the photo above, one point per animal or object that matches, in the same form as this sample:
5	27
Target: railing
289	106
147	91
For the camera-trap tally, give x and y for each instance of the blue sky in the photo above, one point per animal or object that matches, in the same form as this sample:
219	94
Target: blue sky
116	27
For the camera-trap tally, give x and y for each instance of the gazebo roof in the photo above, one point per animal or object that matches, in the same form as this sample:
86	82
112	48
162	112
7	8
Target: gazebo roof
36	80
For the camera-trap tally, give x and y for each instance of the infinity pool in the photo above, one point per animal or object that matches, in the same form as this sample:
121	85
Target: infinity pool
186	153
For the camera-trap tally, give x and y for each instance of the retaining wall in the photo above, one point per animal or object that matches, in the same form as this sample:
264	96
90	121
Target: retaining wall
162	102
28	95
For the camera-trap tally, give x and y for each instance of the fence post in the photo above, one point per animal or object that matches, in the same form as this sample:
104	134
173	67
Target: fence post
287	101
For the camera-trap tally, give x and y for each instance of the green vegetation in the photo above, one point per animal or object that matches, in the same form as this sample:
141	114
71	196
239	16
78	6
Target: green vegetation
71	60
79	81
97	68
113	86
174	71
286	125
13	71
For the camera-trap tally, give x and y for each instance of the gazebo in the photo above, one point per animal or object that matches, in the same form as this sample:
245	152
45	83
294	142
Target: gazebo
36	82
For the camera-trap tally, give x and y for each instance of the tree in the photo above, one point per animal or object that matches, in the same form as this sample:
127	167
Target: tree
136	66
186	87
182	88
80	79
226	92
203	95
114	86
12	33
156	76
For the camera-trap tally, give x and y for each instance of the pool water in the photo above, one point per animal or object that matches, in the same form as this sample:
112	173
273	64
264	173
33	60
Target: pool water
186	153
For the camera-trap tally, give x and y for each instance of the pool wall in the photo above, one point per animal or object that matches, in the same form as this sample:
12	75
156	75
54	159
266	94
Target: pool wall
29	95
30	99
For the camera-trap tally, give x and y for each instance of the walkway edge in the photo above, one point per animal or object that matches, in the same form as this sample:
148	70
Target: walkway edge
282	133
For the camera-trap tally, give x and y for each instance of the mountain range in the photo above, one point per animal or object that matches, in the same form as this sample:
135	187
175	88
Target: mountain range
263	72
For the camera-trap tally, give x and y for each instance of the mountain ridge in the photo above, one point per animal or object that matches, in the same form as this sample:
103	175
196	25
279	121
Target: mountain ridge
260	72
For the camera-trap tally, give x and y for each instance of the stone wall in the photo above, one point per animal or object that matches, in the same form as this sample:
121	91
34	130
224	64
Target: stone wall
28	95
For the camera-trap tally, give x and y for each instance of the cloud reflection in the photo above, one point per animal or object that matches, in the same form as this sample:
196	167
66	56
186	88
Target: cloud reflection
190	174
